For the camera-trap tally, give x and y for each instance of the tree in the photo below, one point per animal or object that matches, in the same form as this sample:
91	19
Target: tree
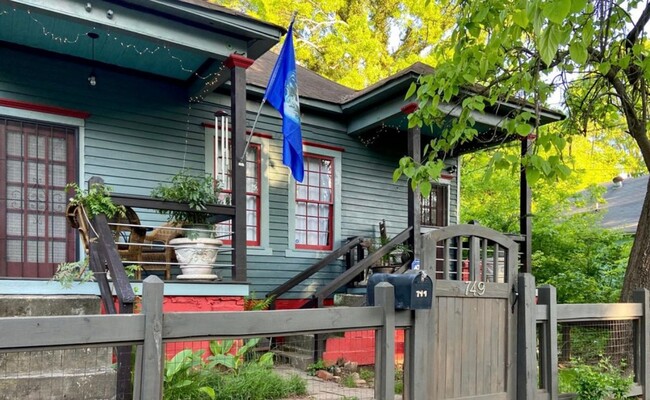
570	249
355	42
596	52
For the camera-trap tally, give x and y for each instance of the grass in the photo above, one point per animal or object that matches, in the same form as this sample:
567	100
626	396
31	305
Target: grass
256	383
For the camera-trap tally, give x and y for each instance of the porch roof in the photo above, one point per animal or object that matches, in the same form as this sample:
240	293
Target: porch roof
181	40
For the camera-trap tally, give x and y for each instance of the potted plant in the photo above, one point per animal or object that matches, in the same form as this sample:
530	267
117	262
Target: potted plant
391	261
195	191
196	251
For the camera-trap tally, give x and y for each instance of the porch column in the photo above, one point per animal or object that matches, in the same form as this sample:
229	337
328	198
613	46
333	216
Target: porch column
414	151
238	65
525	216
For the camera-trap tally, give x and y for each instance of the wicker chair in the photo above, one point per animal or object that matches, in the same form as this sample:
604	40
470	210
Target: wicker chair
163	255
127	233
128	237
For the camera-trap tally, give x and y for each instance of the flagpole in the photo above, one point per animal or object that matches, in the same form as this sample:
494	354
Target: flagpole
250	135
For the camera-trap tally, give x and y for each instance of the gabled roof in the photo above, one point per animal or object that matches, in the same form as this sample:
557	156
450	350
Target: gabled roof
623	204
310	84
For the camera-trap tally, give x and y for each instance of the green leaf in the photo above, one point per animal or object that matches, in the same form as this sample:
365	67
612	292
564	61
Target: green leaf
208	391
411	90
396	174
556	10
578	5
578	52
604	67
532	175
521	18
425	189
523	129
549	43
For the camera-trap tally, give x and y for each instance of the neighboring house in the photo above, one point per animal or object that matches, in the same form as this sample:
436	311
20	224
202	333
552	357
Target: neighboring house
162	71
622	203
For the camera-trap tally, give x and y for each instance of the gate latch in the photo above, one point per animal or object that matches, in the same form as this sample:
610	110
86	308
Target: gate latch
515	294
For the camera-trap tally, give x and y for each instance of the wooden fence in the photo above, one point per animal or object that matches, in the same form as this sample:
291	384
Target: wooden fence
151	328
539	351
537	336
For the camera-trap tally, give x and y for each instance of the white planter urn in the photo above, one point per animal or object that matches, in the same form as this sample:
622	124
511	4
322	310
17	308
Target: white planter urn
196	257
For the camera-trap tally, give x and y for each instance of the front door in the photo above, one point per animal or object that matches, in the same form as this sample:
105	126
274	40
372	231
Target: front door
474	333
36	162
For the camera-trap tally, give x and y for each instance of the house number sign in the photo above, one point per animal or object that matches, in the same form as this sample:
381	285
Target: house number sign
475	288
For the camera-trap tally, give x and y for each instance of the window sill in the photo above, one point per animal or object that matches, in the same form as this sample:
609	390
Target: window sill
299	253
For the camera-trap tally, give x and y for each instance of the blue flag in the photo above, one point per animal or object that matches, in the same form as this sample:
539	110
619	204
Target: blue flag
282	94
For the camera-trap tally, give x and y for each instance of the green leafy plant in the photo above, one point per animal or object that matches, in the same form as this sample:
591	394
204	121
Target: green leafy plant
256	383
67	273
349	381
95	200
595	382
317	366
196	191
253	304
222	355
185	378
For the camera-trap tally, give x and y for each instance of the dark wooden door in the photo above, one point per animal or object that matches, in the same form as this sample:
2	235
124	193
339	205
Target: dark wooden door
36	162
474	333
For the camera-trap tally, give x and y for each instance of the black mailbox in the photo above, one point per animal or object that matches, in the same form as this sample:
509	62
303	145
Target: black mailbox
413	289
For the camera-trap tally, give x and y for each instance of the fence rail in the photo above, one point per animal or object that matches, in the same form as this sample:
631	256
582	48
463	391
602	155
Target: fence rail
549	316
541	322
150	329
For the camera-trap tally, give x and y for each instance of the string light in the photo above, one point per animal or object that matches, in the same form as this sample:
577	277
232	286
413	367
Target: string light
128	46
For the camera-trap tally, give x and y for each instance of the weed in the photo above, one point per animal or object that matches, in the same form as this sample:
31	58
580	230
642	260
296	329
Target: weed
318	365
349	381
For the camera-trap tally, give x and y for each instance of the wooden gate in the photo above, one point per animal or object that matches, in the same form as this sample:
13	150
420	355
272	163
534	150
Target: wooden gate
474	330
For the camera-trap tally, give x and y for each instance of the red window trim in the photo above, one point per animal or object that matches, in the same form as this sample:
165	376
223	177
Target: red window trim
23	105
323	146
258	198
330	227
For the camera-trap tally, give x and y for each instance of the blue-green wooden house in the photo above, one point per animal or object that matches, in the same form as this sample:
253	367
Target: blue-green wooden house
165	74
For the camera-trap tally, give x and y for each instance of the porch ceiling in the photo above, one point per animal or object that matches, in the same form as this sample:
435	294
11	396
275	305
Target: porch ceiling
175	40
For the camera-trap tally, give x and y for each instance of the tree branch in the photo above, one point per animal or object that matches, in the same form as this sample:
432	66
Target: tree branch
634	34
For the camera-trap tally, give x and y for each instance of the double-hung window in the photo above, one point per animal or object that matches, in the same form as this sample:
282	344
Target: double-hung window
315	204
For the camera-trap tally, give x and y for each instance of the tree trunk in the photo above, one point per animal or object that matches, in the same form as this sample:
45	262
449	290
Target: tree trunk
637	275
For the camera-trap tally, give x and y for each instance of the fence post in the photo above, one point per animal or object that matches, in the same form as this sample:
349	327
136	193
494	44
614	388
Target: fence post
526	340
641	369
150	370
548	342
385	343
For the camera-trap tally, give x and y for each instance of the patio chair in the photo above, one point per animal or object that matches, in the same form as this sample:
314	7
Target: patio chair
160	252
127	233
129	236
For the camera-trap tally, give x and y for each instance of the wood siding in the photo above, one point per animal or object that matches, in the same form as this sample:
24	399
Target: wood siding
142	130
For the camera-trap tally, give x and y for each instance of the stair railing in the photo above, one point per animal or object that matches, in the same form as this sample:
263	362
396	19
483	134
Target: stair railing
319	297
306	274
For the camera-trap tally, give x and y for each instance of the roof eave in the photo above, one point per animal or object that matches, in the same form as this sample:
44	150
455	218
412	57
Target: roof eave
261	36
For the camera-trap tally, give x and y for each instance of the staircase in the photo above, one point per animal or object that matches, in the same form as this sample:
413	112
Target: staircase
80	373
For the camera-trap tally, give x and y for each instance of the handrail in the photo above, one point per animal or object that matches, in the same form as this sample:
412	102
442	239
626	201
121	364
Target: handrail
359	267
296	280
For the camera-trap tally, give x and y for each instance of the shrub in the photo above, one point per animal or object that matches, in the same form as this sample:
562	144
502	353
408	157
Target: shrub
595	382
